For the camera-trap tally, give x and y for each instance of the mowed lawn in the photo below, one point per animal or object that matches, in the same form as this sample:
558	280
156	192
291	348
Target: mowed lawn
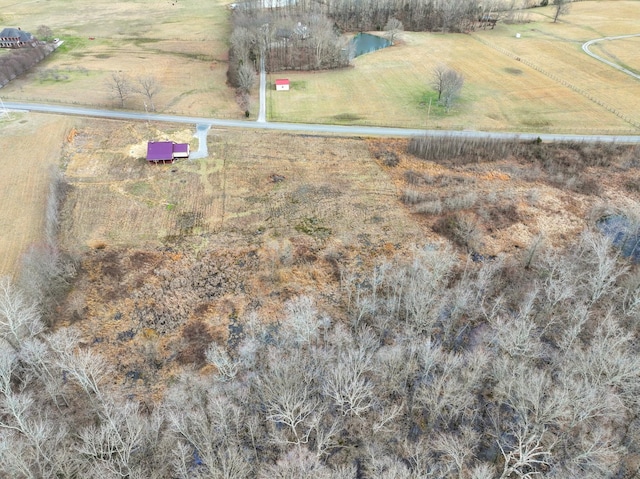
391	86
182	43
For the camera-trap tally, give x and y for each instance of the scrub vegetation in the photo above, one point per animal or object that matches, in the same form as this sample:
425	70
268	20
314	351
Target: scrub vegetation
300	306
314	313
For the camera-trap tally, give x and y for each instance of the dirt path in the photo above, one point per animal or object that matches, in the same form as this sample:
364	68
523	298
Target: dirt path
586	46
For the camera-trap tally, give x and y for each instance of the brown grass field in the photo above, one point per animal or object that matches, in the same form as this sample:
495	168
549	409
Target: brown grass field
31	146
391	86
184	44
624	52
119	200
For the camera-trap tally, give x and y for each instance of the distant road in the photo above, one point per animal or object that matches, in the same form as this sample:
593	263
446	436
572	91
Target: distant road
586	46
307	127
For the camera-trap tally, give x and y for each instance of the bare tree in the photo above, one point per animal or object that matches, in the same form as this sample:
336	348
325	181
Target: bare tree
119	87
19	317
561	7
219	357
526	457
247	78
290	397
149	87
393	28
44	33
113	443
302	320
448	83
348	385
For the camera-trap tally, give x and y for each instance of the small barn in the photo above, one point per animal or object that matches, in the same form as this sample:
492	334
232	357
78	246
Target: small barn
16	38
282	84
166	151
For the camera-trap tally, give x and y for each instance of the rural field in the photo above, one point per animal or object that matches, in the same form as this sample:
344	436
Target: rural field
164	249
541	81
32	145
318	306
501	91
183	44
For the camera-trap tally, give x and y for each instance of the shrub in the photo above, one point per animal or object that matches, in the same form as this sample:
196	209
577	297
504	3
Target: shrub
197	339
429	207
412	197
461	228
461	202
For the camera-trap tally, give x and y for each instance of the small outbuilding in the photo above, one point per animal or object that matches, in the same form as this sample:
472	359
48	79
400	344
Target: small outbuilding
282	84
166	151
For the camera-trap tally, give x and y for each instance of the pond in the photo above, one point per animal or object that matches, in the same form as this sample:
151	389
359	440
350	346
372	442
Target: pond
367	43
623	234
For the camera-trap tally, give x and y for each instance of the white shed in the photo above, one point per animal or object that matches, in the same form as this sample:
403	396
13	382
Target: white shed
282	84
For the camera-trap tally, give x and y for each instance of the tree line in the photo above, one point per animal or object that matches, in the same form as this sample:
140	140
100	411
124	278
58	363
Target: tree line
308	35
22	60
288	40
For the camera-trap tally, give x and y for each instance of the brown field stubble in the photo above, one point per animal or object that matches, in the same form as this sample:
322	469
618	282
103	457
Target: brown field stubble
31	146
182	44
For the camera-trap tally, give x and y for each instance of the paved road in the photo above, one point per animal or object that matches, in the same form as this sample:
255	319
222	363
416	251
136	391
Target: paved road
306	127
586	46
262	113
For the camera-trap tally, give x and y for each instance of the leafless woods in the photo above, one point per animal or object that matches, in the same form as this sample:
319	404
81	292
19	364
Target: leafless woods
439	367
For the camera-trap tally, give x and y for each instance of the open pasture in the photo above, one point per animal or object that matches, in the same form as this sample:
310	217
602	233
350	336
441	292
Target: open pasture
181	43
541	81
624	52
501	92
250	184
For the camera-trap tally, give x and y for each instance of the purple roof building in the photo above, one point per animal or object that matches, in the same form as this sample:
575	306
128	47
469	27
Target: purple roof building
166	151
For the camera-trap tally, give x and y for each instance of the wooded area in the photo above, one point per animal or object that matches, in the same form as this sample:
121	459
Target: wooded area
446	366
308	35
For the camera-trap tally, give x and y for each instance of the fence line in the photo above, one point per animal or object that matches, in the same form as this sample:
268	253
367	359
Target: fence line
559	80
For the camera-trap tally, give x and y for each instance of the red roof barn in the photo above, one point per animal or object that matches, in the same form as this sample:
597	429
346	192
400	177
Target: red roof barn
166	151
282	84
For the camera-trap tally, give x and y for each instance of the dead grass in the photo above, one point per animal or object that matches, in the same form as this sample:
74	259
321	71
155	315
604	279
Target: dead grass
182	44
624	52
31	146
267	217
391	86
120	200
